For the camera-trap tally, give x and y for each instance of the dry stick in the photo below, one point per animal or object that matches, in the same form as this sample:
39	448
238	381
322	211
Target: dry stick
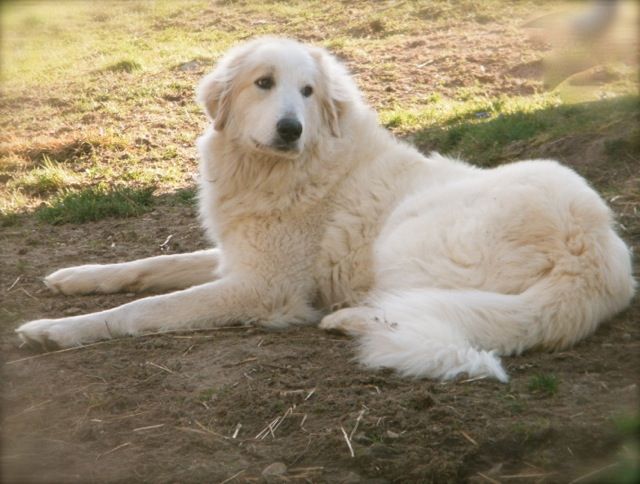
269	428
229	479
210	431
346	438
14	284
148	427
27	293
80	347
164	368
248	360
593	473
113	450
469	438
492	481
477	378
527	476
166	241
286	414
355	427
306	469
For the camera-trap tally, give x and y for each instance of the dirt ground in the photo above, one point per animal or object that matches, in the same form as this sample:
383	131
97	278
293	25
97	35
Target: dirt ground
243	404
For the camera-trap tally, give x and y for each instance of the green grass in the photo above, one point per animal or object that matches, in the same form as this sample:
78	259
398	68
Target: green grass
94	93
489	131
97	203
544	384
50	177
126	65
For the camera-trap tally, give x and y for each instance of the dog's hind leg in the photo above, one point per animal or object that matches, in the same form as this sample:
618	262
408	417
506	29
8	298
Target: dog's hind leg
160	273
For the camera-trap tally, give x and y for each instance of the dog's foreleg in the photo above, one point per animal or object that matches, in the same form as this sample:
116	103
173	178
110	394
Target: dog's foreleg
225	301
163	272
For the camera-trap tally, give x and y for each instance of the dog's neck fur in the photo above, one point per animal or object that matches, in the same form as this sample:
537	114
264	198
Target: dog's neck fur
237	183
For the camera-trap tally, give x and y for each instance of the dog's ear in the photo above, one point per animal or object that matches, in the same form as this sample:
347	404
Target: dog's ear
215	89
337	90
214	94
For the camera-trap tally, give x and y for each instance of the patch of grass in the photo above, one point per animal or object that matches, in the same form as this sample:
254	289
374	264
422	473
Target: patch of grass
8	219
97	203
50	177
625	146
489	131
186	196
126	65
543	384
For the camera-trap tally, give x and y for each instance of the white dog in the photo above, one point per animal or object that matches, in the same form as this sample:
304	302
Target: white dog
435	265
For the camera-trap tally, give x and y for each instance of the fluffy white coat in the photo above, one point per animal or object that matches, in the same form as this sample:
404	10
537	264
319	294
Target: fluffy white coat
436	266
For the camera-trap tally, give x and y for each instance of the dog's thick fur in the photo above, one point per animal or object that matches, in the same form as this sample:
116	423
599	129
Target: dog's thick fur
434	265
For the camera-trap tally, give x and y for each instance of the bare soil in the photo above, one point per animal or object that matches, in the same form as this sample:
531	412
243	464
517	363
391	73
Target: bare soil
224	405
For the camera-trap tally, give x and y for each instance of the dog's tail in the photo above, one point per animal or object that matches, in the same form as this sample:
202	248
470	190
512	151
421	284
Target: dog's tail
440	333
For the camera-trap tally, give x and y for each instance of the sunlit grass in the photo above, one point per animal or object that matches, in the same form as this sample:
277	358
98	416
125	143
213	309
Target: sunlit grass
103	92
50	177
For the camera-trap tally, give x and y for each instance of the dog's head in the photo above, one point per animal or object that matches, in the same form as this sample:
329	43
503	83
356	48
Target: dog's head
277	95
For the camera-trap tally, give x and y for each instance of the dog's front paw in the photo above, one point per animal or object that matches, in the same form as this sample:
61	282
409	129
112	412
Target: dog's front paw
85	279
43	333
50	334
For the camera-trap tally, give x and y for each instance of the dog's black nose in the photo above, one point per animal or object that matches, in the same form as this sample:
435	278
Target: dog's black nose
289	129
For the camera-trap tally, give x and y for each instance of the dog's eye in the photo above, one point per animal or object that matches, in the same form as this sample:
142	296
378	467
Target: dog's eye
265	82
307	91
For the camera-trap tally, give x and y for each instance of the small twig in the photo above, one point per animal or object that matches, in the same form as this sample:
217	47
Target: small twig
113	450
286	414
593	473
166	242
355	427
148	427
492	481
164	368
187	350
306	469
229	479
248	360
527	476
236	431
477	378
469	438
209	431
311	392
264	432
14	283
425	63
27	293
346	438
